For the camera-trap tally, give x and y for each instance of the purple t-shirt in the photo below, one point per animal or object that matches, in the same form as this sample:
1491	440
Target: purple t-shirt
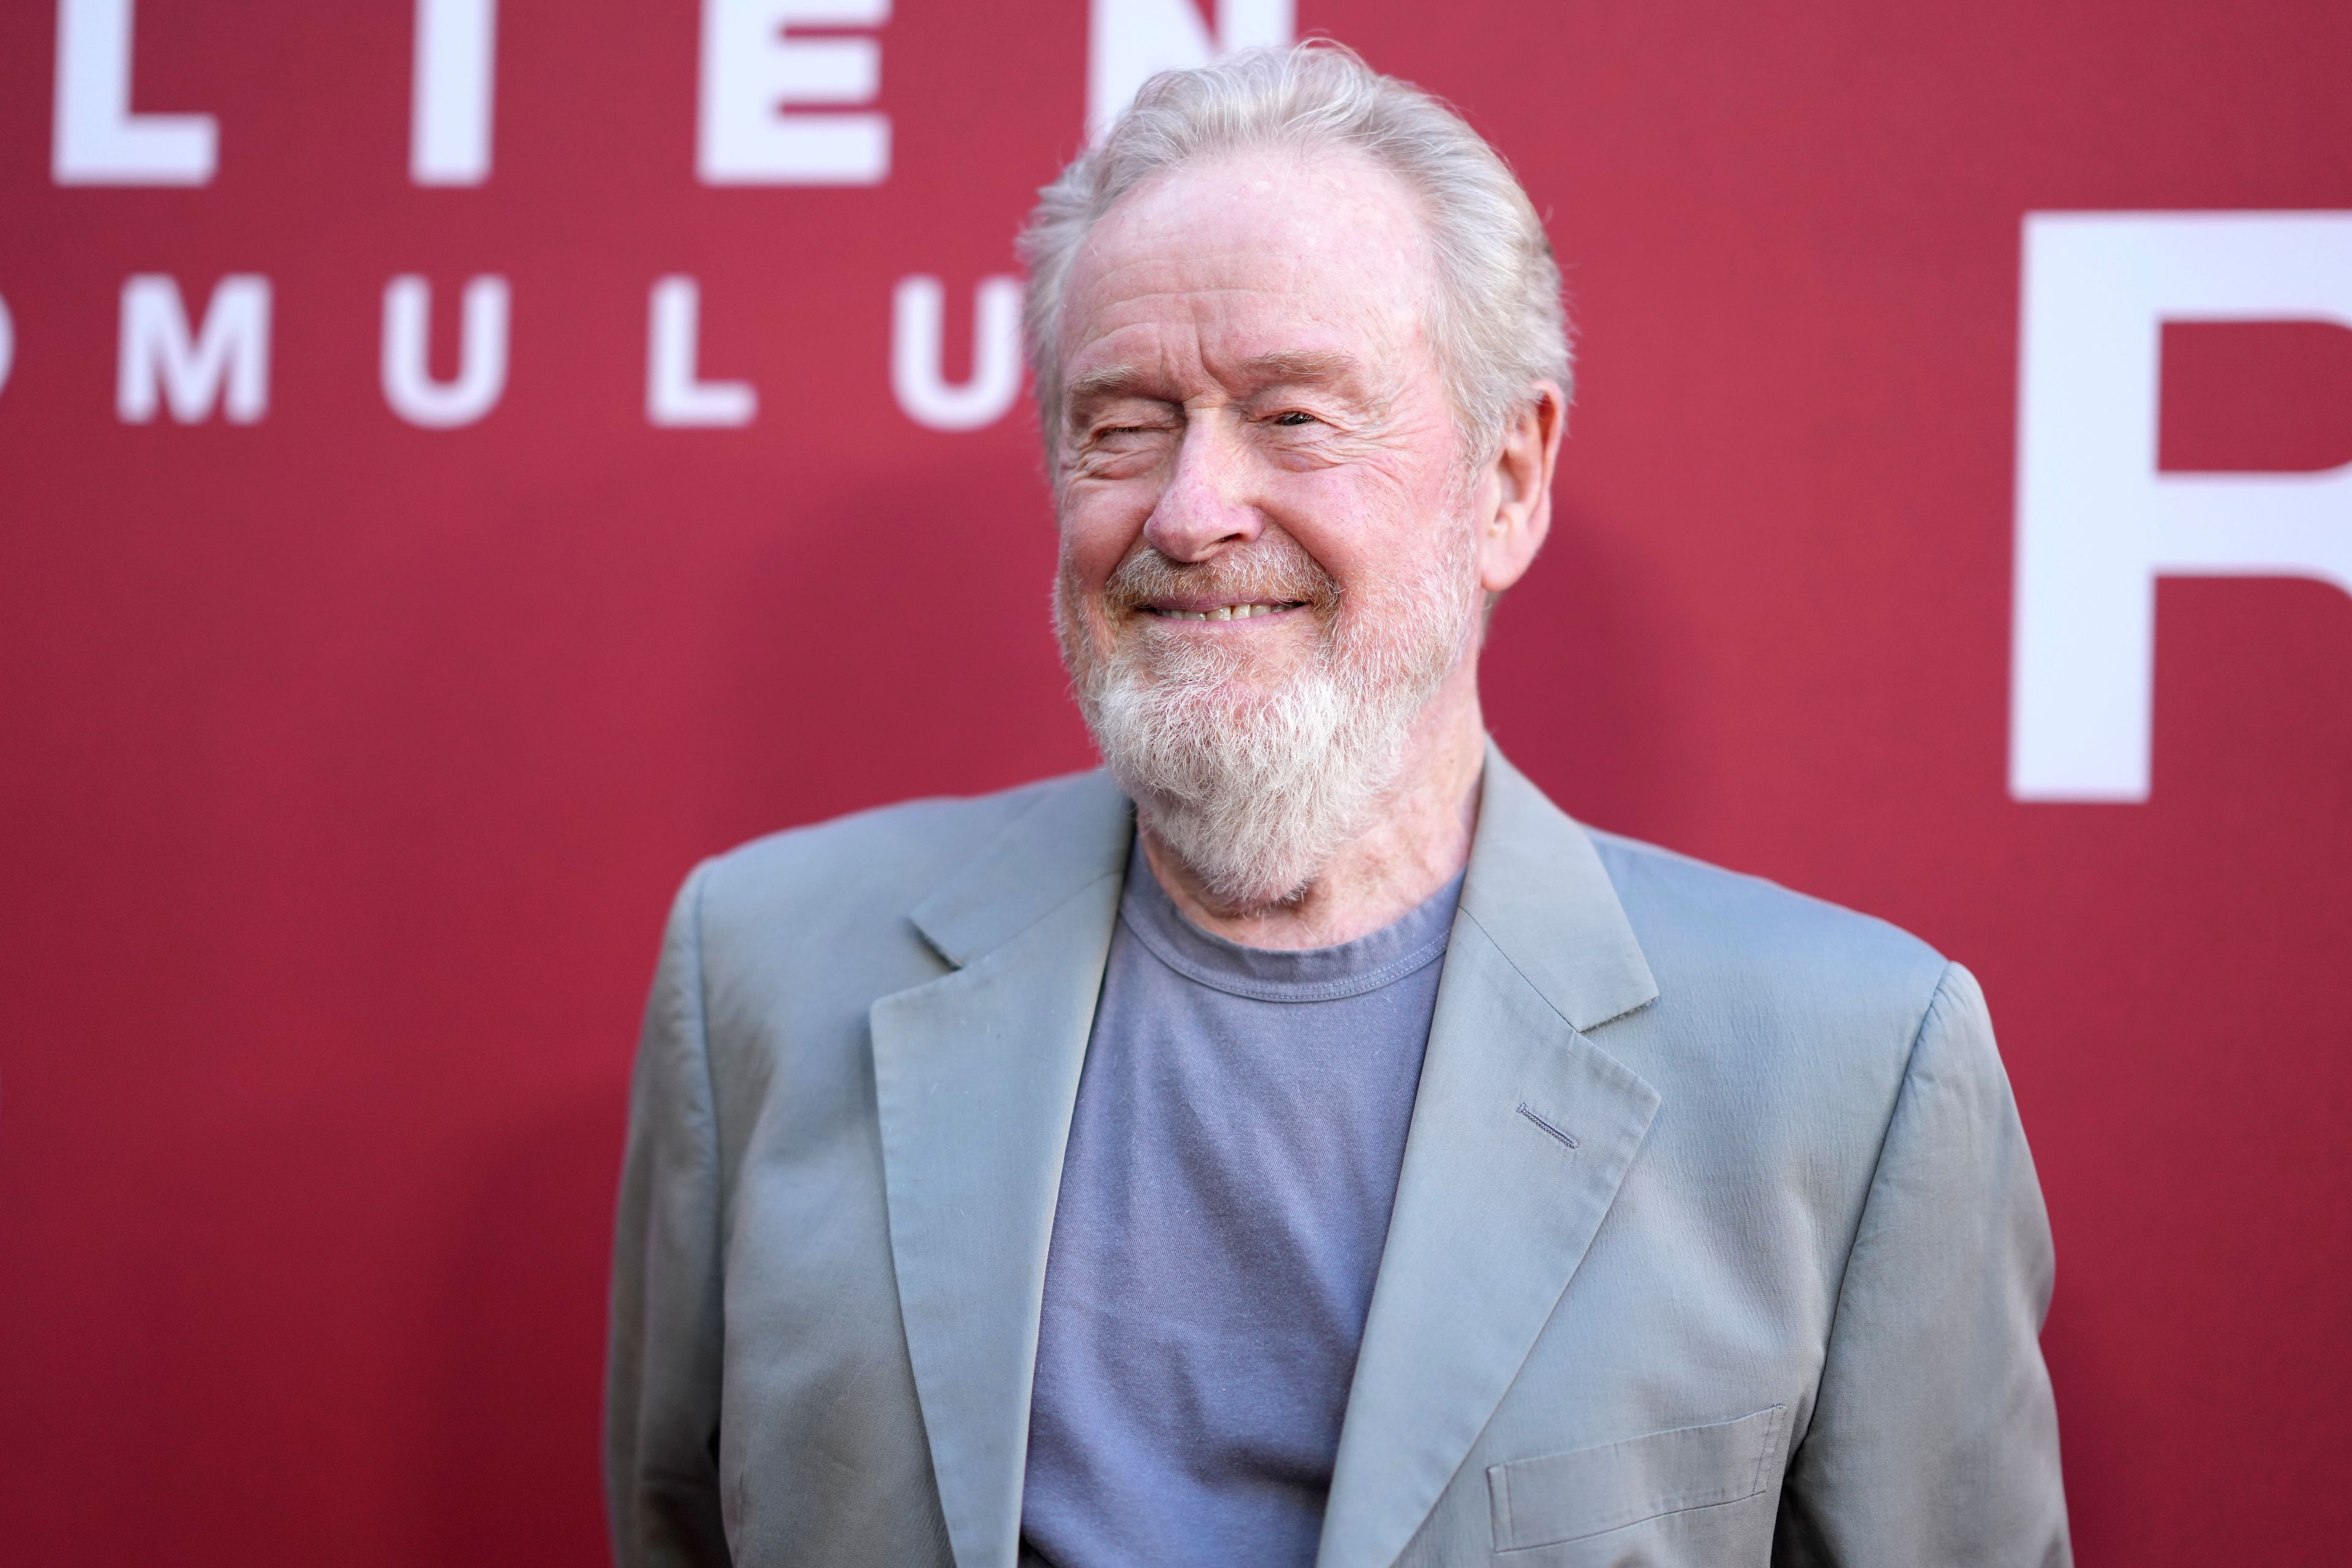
1224	1199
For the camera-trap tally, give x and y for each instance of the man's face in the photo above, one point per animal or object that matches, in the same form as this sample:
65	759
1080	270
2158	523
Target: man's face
1253	421
1268	559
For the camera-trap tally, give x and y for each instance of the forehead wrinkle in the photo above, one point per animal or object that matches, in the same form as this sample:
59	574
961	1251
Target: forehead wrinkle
1194	306
1194	291
1195	333
1125	267
1171	263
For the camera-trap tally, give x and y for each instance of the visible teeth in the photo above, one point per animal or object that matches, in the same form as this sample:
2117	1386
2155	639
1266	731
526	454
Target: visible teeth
1221	612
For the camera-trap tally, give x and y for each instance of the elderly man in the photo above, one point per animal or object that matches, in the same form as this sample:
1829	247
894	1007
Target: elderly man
1299	1143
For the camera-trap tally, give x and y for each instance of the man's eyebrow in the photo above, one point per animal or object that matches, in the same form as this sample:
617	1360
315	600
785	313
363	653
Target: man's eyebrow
1304	365
1288	366
1111	381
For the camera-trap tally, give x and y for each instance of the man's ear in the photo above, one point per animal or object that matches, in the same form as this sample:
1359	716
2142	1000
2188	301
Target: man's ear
1520	481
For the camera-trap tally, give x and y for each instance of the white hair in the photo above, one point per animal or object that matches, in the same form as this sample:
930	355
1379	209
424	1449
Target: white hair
1496	320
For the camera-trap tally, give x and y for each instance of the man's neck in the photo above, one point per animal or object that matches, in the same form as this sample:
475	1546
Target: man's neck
1417	841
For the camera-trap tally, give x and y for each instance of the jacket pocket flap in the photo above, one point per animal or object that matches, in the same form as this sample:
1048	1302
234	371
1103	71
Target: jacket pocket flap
1563	1497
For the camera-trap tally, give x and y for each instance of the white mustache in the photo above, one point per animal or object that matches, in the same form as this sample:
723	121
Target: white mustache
1275	570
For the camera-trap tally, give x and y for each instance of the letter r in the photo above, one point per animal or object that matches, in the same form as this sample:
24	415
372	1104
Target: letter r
2096	523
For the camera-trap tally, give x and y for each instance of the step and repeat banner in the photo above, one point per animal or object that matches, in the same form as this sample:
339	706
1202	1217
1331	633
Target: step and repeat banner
463	461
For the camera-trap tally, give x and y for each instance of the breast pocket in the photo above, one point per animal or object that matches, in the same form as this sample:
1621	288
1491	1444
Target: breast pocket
1562	1498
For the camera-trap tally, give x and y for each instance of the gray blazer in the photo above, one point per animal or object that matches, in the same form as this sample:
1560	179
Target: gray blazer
1717	1240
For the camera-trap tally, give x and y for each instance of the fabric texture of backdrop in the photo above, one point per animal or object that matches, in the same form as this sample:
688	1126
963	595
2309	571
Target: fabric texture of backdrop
358	731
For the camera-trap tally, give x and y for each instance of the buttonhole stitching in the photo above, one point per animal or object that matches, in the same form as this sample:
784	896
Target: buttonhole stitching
1528	1111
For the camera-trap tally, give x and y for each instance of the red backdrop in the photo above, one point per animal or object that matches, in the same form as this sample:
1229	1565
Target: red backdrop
349	764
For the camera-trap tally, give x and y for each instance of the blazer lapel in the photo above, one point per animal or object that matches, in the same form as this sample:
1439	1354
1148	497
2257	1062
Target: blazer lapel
976	1074
1521	1132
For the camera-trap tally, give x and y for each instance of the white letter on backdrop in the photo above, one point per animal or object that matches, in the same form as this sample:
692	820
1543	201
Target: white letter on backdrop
2096	523
8	344
406	369
752	70
155	350
450	91
1130	41
918	316
97	140
673	396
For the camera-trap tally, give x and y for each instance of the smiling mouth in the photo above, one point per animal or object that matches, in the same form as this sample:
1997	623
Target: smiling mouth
1224	612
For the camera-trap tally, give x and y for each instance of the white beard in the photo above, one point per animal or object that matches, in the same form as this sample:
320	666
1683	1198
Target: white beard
1255	784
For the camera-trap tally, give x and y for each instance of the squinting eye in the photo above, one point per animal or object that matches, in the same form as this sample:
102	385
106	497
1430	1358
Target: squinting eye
1293	419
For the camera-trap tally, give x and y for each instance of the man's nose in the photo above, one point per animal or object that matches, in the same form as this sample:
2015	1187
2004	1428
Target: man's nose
1208	503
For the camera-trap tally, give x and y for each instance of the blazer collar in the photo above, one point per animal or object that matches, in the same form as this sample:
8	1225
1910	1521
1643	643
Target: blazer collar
1538	889
975	1079
1076	832
1522	1130
1536	884
1073	833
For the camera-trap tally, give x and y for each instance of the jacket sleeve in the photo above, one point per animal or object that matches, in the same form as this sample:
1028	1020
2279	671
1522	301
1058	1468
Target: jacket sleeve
662	1381
1933	1439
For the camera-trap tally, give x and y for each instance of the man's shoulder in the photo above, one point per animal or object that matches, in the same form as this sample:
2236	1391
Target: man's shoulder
1784	1026
884	855
1751	945
795	933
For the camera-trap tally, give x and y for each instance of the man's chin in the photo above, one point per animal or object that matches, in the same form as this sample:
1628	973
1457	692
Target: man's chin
1219	675
1244	646
1231	701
